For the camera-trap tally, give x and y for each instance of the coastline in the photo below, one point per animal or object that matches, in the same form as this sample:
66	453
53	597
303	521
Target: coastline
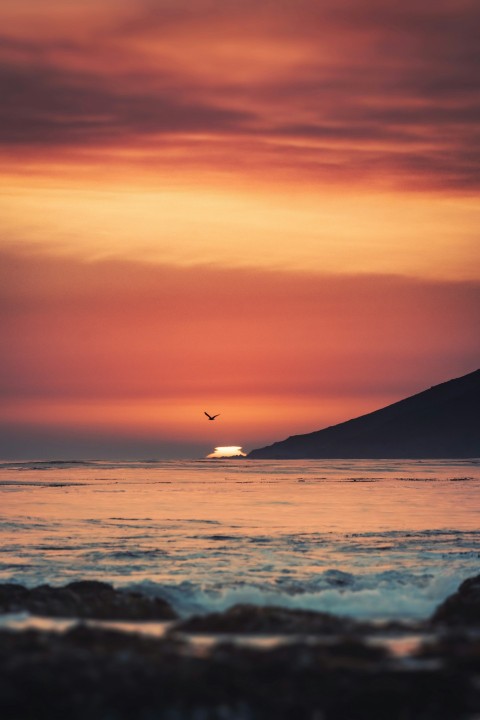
244	663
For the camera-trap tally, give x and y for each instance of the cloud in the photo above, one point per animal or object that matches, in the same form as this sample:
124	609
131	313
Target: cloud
52	107
365	89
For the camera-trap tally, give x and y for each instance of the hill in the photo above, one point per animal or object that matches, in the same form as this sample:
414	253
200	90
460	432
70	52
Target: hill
442	422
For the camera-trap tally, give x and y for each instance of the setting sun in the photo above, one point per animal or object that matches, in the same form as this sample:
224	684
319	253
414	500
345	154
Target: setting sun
227	452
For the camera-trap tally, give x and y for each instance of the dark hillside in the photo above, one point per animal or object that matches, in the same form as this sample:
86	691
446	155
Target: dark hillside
442	422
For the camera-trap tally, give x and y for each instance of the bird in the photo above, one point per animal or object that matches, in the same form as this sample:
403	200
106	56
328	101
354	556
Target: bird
211	417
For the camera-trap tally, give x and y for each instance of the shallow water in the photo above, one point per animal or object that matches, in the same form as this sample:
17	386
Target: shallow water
371	539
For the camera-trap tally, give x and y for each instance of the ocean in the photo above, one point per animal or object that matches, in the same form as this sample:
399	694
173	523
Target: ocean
369	539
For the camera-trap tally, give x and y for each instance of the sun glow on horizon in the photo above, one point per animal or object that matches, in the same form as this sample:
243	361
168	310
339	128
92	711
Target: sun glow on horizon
227	452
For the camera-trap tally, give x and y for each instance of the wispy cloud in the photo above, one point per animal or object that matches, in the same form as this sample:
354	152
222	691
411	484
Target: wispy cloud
49	106
347	90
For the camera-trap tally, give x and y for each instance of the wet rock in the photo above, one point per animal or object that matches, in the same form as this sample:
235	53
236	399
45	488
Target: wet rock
457	650
252	619
348	653
461	608
98	674
12	596
87	599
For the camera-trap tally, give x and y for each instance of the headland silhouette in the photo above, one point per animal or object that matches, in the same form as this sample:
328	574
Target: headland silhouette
441	422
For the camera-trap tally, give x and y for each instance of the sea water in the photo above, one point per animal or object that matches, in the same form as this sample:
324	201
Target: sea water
372	539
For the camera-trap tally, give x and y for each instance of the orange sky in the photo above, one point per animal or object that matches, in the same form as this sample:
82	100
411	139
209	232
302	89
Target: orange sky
268	210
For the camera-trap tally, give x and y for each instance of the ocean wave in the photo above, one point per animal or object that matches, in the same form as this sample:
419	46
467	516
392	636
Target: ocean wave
363	597
45	464
40	484
205	541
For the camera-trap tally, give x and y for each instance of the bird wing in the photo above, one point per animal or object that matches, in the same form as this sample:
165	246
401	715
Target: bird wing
213	418
208	416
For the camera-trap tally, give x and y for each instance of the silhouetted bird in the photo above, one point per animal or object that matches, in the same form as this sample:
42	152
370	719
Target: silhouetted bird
211	417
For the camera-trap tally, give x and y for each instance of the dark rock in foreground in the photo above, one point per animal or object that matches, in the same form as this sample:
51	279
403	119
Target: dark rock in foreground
254	619
459	651
93	674
87	599
463	607
441	422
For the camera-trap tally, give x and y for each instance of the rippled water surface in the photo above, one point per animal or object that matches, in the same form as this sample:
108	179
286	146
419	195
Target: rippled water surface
371	539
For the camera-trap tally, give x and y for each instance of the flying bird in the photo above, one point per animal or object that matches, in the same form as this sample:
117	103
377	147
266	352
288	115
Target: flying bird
211	417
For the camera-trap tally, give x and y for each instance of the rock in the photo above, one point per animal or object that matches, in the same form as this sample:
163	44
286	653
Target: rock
97	674
458	650
12	597
253	619
88	587
86	599
461	608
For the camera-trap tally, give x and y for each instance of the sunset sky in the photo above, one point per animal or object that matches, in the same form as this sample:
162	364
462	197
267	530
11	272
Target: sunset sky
267	210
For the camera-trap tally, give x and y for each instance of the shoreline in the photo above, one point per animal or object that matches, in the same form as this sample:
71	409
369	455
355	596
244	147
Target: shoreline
245	663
